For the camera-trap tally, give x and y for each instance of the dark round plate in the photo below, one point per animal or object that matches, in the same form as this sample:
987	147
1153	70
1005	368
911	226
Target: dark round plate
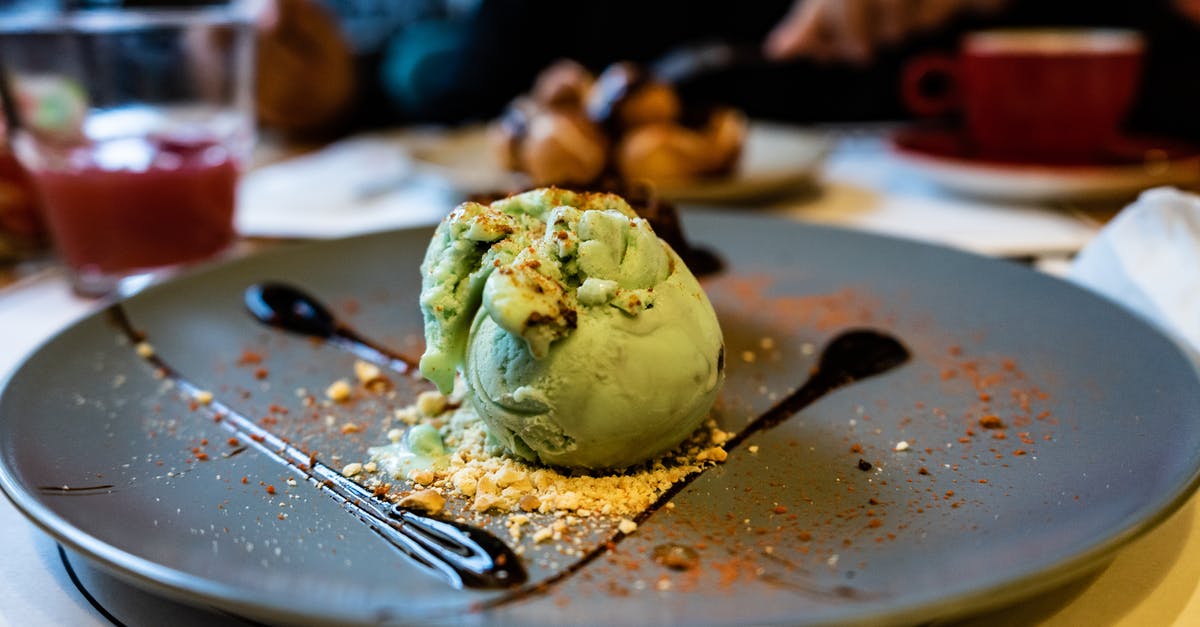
1037	429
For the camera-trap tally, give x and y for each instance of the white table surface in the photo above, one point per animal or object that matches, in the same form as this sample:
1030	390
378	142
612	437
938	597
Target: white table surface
1154	581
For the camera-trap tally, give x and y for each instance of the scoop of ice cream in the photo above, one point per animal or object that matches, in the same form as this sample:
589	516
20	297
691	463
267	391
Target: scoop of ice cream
583	338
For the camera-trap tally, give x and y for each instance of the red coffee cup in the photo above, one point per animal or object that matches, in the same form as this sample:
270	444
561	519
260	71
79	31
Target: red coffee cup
1048	95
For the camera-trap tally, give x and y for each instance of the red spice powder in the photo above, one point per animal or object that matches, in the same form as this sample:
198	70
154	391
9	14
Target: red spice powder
249	357
824	312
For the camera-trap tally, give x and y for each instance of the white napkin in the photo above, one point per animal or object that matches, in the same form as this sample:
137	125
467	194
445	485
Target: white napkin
354	186
1148	258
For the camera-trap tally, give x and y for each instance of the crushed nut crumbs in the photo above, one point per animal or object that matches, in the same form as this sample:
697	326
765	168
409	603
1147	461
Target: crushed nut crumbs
497	483
338	391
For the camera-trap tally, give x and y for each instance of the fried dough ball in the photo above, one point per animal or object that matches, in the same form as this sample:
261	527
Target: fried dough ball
726	130
562	148
508	132
562	132
624	97
672	152
563	85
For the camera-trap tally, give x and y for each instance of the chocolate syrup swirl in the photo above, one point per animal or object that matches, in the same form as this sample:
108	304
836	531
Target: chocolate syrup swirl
851	356
291	309
463	555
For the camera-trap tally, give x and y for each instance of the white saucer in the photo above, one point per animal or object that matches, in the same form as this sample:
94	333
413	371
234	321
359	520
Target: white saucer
941	157
777	158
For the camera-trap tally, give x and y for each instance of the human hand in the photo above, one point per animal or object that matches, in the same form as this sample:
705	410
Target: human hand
851	30
1189	9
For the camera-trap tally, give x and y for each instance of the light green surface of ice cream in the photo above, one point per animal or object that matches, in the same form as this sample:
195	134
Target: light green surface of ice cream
421	448
583	339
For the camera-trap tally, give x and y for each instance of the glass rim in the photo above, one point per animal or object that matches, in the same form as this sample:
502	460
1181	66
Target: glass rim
120	19
1051	40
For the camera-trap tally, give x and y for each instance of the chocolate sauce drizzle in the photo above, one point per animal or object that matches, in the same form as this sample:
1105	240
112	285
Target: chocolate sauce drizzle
286	307
851	356
106	488
463	555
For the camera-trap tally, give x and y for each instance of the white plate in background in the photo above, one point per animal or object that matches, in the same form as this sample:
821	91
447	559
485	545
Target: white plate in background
777	158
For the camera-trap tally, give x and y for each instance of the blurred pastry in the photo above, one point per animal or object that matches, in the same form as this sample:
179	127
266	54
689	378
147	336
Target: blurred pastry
726	132
565	130
662	152
552	145
624	97
507	133
563	85
562	148
672	152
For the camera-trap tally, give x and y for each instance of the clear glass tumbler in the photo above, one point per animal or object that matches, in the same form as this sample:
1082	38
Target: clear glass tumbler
135	125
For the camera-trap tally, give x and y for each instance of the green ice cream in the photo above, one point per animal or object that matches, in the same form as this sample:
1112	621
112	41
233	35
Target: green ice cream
583	339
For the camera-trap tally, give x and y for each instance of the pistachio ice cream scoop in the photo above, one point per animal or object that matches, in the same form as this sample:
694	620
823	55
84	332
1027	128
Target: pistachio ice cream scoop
584	340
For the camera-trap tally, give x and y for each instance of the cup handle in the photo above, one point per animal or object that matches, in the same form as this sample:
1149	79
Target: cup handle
914	84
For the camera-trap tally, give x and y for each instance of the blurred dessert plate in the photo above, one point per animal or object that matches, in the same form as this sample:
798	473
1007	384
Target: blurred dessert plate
1134	163
777	159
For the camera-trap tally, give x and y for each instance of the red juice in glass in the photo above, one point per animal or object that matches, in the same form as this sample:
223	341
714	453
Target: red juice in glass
123	206
134	123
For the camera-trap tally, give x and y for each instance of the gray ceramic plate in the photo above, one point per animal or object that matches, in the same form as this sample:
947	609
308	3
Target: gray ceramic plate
1043	429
